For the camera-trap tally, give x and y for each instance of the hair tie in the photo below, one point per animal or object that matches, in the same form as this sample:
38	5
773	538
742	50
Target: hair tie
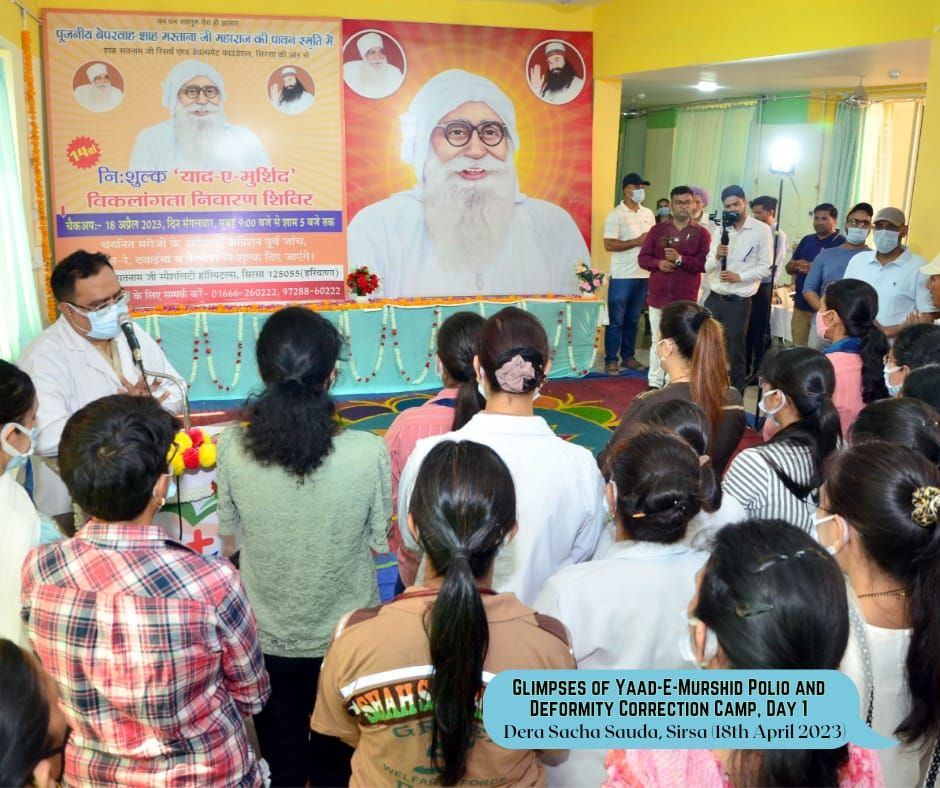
513	375
700	317
459	553
926	503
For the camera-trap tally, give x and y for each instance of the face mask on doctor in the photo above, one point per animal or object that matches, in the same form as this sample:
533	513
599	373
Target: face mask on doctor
104	321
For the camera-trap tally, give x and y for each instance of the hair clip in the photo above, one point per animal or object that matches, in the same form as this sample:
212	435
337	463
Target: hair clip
808	552
926	503
638	515
749	611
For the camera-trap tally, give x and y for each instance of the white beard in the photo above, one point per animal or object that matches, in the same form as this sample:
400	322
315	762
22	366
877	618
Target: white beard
468	221
199	139
374	78
99	96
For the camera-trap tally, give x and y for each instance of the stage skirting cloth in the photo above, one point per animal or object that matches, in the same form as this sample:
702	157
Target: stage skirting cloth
388	348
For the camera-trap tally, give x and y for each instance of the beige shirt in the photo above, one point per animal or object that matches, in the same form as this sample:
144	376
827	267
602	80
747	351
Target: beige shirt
373	691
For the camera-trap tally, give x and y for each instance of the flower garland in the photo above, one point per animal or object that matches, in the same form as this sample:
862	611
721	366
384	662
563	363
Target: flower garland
35	156
347	340
570	332
432	348
210	364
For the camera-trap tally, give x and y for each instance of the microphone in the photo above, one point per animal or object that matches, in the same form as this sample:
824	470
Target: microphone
725	240
127	326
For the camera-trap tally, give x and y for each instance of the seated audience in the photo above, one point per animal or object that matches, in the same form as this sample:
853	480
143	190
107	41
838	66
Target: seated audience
82	357
33	731
447	636
905	421
767	599
856	349
559	490
878	516
308	502
692	351
779	479
161	660
915	346
656	487
449	409
21	527
924	384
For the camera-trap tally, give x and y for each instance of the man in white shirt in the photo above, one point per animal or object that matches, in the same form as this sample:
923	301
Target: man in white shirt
197	136
465	229
99	95
372	77
764	209
290	96
932	272
625	230
561	84
83	357
735	271
895	273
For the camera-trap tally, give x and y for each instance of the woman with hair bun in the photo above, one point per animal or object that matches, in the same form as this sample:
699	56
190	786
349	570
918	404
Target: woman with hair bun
624	608
559	490
449	409
310	502
779	479
403	683
846	319
878	515
692	351
904	421
767	599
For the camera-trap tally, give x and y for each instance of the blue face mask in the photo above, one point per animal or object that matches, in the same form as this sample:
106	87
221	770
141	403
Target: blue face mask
17	458
104	322
893	390
886	241
172	489
856	235
664	211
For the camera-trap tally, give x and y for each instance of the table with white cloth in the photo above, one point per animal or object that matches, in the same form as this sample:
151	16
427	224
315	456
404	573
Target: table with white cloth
781	315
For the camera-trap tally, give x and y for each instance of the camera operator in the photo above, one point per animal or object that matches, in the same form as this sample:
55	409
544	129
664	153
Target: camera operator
674	253
739	258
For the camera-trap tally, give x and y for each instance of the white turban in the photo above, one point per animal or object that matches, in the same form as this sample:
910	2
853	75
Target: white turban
288	70
554	46
96	70
369	41
182	73
442	94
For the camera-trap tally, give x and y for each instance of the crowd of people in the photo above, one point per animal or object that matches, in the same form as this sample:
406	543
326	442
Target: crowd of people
129	659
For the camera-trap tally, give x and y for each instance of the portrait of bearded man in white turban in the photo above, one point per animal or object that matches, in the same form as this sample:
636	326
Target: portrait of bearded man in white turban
197	136
372	76
465	228
98	95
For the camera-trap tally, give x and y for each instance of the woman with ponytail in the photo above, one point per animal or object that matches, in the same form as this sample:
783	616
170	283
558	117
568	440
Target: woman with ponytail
449	409
768	599
779	479
692	351
309	503
846	319
878	515
403	683
624	609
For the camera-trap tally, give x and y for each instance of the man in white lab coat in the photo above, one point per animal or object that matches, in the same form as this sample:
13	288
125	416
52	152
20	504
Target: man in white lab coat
465	229
82	357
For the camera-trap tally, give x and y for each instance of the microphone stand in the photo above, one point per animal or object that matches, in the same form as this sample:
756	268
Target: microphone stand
181	385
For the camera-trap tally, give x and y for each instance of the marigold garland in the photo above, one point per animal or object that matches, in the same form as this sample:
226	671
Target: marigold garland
35	157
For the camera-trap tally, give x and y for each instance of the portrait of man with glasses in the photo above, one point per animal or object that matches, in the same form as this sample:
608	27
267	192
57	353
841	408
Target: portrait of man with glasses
197	136
83	357
465	228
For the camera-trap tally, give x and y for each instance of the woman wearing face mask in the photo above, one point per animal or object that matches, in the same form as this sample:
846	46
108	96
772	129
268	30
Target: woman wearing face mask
768	599
449	409
692	352
778	479
846	319
903	421
657	485
878	515
559	489
915	347
33	731
20	531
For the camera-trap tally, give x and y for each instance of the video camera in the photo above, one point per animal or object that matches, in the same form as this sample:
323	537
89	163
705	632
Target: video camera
726	218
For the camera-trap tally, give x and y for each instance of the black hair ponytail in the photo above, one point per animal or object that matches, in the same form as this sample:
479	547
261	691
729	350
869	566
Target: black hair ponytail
456	347
856	304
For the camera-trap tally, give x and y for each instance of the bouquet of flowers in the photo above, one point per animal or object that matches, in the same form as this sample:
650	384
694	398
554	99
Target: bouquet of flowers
590	279
362	282
191	450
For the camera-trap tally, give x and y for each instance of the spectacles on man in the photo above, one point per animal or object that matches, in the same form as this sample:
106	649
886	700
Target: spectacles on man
683	203
119	298
193	91
459	132
866	223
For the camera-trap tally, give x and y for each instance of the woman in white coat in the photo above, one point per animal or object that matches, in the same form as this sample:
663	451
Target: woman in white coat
19	524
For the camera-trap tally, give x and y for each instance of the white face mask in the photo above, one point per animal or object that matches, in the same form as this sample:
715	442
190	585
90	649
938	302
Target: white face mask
687	651
831	549
893	390
771	411
639	195
17	458
886	241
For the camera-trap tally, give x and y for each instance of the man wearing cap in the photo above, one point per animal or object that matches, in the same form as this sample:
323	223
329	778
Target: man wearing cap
197	136
98	95
895	273
932	272
561	84
625	230
735	272
465	228
373	76
290	96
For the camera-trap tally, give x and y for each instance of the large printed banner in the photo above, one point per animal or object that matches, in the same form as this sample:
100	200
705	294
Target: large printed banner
220	159
204	154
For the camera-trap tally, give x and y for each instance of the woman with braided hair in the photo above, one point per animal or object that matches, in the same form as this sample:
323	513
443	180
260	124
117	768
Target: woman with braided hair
878	515
779	479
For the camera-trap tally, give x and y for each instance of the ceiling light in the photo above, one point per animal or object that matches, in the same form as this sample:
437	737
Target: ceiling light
706	87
